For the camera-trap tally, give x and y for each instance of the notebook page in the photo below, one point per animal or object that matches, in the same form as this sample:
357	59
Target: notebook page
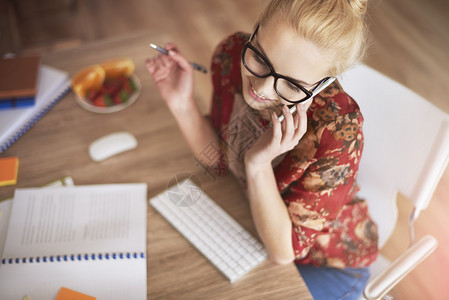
5	210
77	220
105	279
6	206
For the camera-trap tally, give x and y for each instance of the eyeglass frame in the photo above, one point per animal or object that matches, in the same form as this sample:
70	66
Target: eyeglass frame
320	85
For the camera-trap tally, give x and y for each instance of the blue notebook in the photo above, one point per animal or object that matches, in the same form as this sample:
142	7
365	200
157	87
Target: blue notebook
53	85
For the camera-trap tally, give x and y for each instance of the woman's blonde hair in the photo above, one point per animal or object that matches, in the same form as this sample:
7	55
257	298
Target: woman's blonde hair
334	25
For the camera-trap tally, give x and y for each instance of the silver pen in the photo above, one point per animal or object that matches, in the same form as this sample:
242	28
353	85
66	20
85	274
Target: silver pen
165	51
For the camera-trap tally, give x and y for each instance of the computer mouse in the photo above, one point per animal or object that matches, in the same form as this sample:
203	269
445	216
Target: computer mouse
112	144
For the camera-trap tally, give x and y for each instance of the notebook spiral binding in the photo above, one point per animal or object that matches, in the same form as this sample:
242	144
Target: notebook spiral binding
75	257
33	121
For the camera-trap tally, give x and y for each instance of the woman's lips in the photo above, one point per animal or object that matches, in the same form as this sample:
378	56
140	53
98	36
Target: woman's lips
253	94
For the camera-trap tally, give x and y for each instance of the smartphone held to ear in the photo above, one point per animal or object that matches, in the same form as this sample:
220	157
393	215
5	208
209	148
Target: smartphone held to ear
315	91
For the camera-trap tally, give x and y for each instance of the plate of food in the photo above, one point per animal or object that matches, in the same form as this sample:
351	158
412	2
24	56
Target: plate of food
107	87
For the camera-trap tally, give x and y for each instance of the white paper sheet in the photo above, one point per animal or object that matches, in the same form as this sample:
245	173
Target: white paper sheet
88	238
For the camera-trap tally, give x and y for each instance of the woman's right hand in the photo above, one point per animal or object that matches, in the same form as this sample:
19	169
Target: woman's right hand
173	76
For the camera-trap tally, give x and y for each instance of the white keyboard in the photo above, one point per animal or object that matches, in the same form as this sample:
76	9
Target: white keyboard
225	243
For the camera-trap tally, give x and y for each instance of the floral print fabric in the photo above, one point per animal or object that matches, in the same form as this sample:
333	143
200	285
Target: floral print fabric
331	226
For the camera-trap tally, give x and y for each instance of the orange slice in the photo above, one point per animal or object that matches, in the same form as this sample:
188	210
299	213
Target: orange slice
118	67
89	78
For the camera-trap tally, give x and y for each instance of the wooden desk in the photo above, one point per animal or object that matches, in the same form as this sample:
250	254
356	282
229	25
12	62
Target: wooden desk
57	146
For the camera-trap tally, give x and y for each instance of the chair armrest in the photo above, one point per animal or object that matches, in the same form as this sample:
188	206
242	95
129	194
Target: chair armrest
387	279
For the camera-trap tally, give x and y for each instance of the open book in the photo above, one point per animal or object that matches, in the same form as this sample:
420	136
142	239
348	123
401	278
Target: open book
91	239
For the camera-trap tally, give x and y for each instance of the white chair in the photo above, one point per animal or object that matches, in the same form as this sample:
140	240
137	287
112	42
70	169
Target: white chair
406	150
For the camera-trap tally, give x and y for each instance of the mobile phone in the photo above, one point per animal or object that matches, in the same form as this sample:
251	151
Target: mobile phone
315	91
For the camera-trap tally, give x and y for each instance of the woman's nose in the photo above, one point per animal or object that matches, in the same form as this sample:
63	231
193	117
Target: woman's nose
265	87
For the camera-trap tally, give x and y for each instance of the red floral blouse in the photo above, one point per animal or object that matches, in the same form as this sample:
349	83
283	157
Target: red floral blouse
330	225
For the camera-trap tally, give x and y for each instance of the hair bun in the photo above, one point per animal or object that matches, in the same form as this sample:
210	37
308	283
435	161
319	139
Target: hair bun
359	6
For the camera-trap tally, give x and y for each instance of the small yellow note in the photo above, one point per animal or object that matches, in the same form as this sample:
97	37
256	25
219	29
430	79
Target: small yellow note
8	170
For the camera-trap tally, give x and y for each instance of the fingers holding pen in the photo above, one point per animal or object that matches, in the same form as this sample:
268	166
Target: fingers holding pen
170	46
161	66
183	63
150	64
163	59
157	68
173	55
173	77
153	63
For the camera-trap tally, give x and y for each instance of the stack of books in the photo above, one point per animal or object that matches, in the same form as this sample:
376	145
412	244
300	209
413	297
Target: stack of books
26	78
18	81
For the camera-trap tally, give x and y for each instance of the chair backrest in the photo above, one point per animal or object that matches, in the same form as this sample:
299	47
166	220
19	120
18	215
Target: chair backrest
406	144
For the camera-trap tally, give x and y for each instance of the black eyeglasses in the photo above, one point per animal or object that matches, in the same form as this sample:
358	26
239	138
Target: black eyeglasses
286	87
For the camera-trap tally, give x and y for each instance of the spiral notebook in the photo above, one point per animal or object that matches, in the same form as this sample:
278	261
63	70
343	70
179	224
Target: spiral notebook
91	239
53	85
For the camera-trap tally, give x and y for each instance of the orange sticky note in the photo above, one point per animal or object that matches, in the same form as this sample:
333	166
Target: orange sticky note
68	294
8	170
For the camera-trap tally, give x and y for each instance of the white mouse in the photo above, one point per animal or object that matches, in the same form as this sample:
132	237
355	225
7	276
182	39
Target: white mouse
112	144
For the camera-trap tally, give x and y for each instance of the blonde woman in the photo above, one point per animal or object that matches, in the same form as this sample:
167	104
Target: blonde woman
298	168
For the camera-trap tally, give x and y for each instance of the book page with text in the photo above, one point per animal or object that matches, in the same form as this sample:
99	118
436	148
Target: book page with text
77	220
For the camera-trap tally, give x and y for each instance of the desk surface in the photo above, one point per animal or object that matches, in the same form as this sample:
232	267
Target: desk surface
57	146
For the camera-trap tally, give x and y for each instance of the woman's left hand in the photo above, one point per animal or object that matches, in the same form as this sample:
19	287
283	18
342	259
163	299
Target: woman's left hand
282	137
